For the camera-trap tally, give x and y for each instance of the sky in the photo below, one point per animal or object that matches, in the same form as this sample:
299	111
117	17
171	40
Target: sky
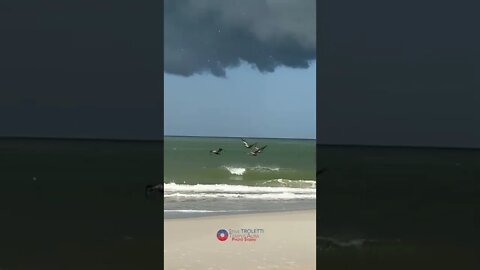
240	68
404	73
246	103
398	73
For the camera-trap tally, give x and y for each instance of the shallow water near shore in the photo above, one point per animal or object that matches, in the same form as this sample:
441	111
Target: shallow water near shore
197	183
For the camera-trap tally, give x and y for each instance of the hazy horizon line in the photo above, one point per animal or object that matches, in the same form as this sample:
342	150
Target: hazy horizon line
238	137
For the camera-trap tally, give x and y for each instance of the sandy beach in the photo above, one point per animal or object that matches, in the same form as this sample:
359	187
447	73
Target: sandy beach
280	240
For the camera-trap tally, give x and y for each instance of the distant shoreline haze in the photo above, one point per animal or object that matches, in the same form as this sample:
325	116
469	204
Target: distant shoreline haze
238	137
140	140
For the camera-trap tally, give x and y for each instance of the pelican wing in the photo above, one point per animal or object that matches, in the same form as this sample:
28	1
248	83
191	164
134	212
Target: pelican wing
261	149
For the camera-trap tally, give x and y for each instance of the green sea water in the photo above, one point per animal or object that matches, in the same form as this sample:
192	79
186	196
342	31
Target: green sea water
285	162
197	182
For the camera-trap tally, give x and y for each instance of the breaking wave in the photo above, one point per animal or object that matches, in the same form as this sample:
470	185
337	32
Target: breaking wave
291	183
241	170
205	191
235	171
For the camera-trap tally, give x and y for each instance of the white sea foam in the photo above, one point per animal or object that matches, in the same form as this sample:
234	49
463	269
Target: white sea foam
296	183
173	187
200	191
264	168
267	196
235	170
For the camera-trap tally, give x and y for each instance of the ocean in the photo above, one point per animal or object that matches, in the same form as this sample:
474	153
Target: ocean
80	204
199	183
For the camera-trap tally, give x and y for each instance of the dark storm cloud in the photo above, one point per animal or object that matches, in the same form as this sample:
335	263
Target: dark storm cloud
212	35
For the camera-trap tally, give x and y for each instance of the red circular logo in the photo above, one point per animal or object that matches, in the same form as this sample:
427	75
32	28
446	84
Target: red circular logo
222	235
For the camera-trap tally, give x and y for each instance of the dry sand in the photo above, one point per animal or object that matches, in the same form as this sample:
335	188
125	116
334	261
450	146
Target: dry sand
287	242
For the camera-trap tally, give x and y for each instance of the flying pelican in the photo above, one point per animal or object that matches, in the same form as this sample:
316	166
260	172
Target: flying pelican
257	150
247	145
216	152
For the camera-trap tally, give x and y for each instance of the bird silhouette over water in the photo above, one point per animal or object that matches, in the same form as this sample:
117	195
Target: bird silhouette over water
247	145
257	150
216	152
